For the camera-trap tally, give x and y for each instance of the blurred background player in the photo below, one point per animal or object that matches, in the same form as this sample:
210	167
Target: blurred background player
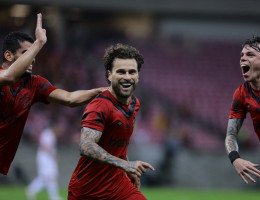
47	164
246	98
20	90
103	171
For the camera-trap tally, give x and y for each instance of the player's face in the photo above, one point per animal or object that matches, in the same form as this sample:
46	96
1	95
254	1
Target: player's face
124	78
250	64
24	47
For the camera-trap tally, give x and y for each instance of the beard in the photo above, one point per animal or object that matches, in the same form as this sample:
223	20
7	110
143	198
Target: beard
121	94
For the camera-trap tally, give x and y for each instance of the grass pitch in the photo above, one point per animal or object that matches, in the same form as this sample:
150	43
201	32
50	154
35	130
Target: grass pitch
17	193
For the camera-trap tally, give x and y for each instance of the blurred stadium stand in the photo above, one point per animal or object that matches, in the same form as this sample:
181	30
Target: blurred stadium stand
191	69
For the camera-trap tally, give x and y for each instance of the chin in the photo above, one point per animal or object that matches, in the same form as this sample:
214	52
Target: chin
125	95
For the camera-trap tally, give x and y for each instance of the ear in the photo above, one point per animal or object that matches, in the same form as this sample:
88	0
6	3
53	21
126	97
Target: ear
9	56
109	75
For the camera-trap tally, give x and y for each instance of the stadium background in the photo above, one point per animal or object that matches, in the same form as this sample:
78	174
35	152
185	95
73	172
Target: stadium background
191	69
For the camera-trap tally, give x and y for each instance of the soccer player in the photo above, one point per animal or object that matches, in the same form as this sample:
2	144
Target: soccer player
47	165
19	90
246	98
103	171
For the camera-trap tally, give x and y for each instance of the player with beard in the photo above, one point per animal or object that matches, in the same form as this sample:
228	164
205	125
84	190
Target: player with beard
103	171
246	98
19	90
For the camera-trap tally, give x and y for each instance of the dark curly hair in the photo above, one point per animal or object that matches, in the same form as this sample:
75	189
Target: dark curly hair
253	42
12	42
122	51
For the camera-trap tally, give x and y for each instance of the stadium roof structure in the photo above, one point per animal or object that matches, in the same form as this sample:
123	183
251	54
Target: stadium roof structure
248	8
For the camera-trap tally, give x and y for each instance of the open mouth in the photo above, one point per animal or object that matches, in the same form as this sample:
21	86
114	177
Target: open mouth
126	85
245	68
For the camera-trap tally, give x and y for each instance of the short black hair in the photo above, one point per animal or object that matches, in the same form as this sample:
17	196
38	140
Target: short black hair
12	42
253	42
122	51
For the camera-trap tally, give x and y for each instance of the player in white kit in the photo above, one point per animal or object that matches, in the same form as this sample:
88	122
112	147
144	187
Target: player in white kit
47	167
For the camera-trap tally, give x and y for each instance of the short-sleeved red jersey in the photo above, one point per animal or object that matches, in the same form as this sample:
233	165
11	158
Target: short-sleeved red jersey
15	104
246	99
95	180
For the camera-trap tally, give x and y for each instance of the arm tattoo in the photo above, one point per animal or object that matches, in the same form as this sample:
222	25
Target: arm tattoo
90	148
233	128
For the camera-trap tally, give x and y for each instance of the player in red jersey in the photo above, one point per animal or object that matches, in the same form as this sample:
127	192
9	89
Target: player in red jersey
246	98
103	171
19	90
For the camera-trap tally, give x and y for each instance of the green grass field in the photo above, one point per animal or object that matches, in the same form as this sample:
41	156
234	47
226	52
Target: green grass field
17	193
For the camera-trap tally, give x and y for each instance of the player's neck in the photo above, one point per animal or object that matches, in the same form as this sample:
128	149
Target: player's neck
122	100
255	85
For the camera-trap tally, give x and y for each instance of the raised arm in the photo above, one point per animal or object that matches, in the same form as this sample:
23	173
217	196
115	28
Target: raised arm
76	98
17	69
90	148
244	168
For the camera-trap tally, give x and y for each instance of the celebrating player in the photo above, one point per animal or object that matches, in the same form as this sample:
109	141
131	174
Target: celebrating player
19	89
103	171
246	98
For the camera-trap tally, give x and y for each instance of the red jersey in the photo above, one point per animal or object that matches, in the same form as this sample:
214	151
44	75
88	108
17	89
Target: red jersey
96	180
15	104
246	99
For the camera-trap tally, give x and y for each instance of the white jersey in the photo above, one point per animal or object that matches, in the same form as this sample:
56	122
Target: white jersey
46	154
47	167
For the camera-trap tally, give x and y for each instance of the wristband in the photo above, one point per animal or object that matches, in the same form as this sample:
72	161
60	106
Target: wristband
233	155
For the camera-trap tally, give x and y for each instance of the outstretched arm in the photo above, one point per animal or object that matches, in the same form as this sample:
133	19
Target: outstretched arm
17	69
244	168
90	148
75	98
233	128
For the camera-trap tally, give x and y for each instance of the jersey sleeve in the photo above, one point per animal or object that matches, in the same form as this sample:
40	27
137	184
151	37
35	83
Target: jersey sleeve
238	108
44	88
96	115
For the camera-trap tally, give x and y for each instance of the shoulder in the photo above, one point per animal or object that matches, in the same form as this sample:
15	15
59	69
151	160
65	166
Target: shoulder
99	103
241	89
38	78
103	98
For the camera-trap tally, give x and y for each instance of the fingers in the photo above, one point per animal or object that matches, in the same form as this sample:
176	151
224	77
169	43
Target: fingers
138	183
138	173
39	20
245	176
246	170
147	165
254	171
142	167
138	167
40	33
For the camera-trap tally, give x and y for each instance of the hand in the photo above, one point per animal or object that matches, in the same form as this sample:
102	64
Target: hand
246	169
137	167
40	33
135	180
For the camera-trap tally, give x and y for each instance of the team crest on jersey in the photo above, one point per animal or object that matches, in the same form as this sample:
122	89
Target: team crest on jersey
119	124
